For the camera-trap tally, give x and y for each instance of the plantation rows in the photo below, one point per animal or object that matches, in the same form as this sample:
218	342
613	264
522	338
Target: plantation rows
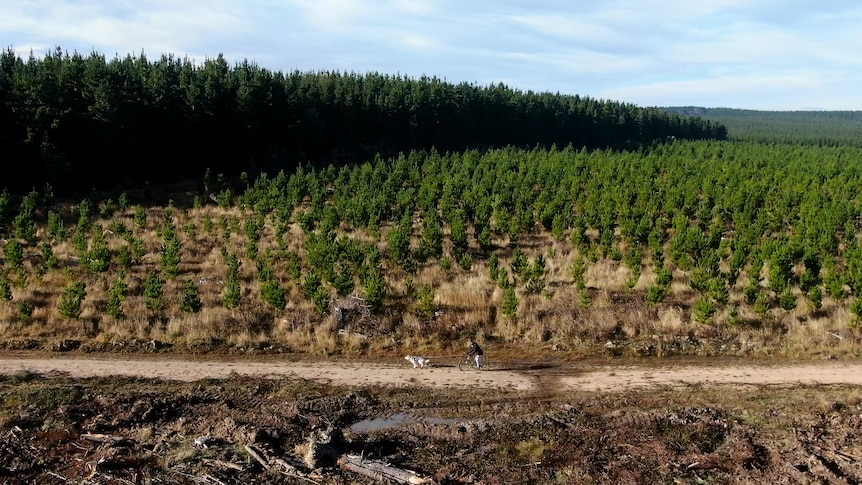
76	120
785	217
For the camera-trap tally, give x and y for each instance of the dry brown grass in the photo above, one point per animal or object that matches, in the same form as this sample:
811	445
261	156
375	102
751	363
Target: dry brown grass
469	302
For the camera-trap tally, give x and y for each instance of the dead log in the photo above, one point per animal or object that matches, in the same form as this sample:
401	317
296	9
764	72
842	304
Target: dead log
379	470
254	454
227	464
287	468
103	438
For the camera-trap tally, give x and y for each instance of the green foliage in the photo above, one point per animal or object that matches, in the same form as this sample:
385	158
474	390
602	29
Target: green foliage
458	232
265	270
519	264
342	280
292	265
762	304
703	310
664	277
25	311
425	302
232	291
781	268
751	293
24	224
786	299
83	227
836	288
225	199
191	302
254	227
656	294
398	241
803	127
116	297
578	269
509	306
191	229
71	300
123	201
718	291
130	254
274	294
534	277
107	209
494	266
374	289
241	113
321	300
633	258
465	261
140	217
154	292
446	263
56	228
733	316
14	252
98	257
171	248
484	238
311	284
856	309
48	256
815	296
585	299
5	289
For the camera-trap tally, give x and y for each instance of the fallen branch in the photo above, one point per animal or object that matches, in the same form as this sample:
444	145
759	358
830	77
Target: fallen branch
61	477
228	464
379	470
254	454
104	438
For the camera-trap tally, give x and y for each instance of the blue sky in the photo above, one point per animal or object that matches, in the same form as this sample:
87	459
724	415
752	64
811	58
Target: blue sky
753	54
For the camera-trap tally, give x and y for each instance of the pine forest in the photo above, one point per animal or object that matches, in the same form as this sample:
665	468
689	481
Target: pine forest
235	208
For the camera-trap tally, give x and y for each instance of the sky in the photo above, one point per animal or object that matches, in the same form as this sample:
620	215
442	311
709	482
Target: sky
747	54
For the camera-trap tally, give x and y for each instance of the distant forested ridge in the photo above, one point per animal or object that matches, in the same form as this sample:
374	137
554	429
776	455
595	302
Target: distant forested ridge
819	128
82	121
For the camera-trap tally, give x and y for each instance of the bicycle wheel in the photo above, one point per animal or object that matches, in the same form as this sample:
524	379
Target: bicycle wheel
465	363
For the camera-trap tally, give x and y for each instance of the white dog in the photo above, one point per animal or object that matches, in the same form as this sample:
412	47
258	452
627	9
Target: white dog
417	361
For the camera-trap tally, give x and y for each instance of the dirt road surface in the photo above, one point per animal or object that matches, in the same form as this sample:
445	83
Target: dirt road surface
515	376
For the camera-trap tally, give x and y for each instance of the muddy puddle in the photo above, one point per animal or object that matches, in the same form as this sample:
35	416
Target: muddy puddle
397	419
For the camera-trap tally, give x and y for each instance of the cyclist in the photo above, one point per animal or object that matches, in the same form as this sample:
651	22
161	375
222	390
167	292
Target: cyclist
477	354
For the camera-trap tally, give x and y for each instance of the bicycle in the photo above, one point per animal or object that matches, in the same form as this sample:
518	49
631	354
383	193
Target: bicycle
468	362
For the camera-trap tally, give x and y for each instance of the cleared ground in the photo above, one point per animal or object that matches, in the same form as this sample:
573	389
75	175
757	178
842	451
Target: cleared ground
169	419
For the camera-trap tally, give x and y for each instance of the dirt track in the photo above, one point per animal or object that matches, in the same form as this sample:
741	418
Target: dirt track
515	377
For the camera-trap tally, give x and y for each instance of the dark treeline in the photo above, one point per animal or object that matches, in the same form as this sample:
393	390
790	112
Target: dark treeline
816	128
80	121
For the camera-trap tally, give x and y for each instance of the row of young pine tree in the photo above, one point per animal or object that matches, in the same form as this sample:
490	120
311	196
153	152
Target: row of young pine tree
778	222
84	121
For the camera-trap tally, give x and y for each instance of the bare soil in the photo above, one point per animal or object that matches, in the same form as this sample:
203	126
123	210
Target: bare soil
82	418
523	375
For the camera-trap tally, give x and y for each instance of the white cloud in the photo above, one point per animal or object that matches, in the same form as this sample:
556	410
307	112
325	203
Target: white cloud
794	89
650	52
